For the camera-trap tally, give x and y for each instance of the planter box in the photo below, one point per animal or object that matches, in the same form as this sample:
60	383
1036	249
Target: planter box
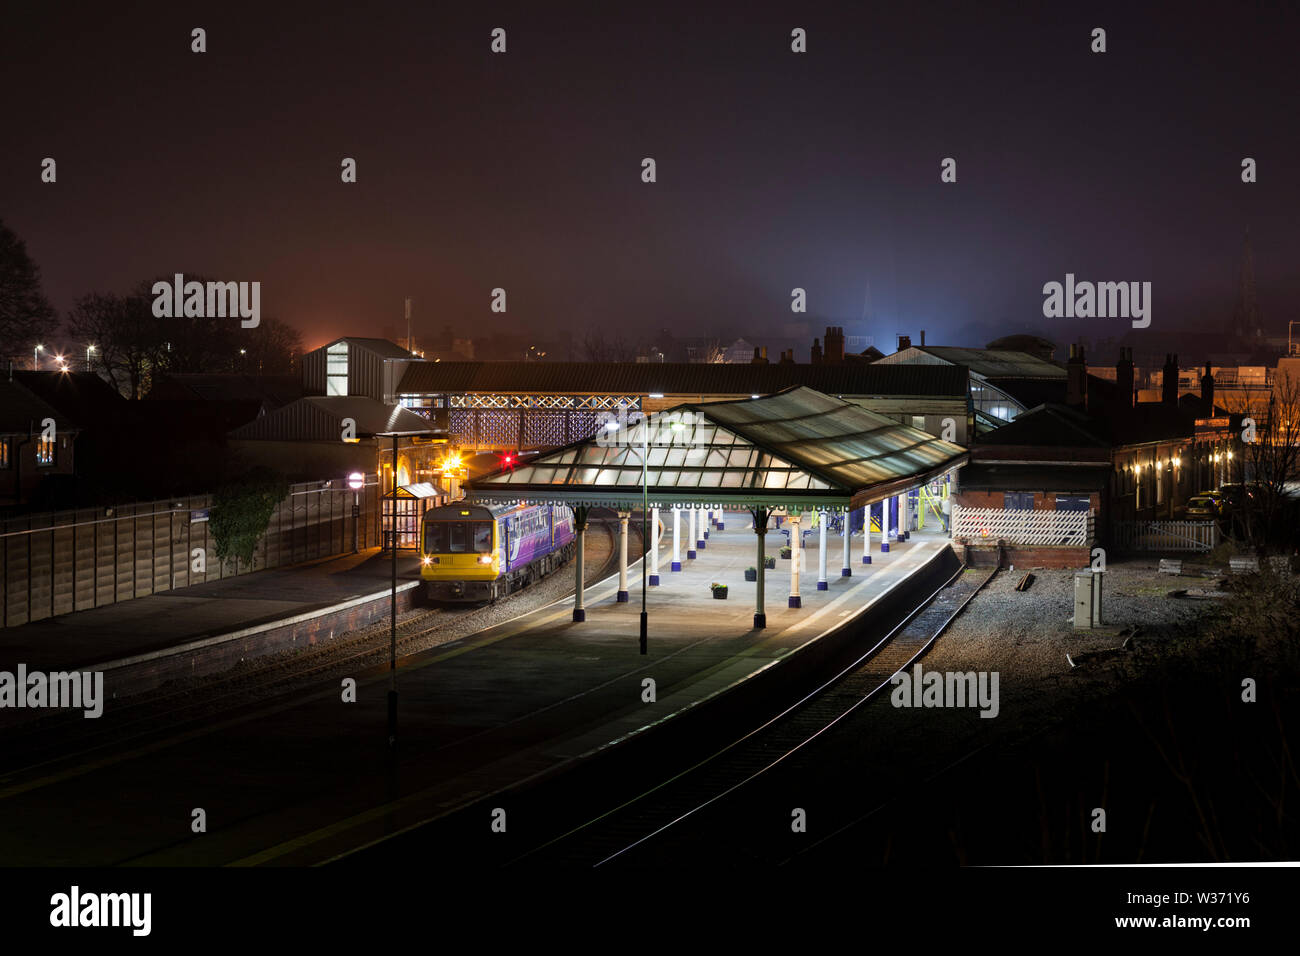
769	563
785	554
719	594
751	574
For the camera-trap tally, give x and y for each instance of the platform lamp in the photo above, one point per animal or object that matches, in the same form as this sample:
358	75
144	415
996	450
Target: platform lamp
36	357
356	481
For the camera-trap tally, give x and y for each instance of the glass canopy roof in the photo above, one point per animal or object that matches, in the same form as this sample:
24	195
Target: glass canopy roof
797	448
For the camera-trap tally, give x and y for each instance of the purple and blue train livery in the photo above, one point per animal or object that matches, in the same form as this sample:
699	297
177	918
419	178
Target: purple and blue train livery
480	553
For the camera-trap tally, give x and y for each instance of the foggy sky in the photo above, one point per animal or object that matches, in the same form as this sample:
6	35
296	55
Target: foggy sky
775	170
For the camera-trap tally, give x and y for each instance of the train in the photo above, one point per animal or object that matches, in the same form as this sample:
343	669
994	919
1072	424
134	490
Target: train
478	553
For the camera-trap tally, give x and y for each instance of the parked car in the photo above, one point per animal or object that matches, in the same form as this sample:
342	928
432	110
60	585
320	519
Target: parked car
1205	506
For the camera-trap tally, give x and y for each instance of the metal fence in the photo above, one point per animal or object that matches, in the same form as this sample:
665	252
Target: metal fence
64	561
1022	526
1166	535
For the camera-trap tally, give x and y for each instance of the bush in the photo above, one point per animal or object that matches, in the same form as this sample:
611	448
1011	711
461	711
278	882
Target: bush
241	511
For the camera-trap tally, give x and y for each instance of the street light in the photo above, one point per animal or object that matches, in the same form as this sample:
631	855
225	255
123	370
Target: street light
36	357
89	349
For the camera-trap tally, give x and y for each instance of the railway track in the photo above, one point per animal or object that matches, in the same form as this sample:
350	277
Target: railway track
261	679
665	815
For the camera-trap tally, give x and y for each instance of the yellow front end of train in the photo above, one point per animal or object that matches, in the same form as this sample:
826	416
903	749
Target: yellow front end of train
460	553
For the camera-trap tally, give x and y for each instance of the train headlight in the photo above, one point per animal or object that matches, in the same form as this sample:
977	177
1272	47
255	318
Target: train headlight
485	559
426	560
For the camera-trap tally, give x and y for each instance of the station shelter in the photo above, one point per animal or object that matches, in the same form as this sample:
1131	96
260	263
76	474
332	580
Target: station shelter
796	454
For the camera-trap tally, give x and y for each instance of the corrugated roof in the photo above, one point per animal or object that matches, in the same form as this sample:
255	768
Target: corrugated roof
680	378
990	363
320	418
799	447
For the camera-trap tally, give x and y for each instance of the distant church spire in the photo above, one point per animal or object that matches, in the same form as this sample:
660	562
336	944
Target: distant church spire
1246	322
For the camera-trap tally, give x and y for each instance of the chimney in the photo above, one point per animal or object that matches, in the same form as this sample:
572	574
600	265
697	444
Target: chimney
1076	378
904	342
834	345
1207	390
923	338
816	356
1124	378
787	357
1169	381
760	356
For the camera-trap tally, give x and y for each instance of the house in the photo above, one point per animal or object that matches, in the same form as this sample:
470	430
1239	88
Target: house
37	445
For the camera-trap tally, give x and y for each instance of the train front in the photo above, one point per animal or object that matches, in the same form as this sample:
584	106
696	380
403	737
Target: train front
460	556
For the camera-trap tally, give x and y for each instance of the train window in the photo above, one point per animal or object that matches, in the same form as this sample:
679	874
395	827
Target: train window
457	537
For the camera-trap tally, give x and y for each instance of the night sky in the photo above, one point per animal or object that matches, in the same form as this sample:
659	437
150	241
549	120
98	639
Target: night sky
775	170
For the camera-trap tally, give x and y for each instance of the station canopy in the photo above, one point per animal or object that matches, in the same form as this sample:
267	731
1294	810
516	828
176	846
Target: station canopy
799	449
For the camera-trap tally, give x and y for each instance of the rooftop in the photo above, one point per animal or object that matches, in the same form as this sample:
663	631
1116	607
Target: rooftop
799	448
680	378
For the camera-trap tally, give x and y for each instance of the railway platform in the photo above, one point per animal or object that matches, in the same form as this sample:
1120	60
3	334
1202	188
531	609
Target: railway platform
208	627
516	701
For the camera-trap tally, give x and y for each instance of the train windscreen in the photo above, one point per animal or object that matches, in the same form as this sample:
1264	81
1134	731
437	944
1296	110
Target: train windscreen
457	537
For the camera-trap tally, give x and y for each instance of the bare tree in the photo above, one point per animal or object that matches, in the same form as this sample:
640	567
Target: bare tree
1270	435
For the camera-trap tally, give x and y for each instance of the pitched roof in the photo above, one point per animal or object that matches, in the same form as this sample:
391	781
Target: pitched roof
84	397
320	418
271	391
22	411
1048	426
680	378
381	347
799	447
990	363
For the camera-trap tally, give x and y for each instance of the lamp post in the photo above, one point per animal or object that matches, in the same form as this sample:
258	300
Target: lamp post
356	481
645	508
36	357
89	349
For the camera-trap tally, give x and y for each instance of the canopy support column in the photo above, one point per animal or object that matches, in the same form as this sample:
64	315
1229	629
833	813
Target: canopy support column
654	546
622	557
866	534
845	570
580	537
702	529
690	537
822	584
796	559
760	533
884	526
677	539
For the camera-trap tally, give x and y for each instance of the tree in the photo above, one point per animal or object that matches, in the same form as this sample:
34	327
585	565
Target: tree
1269	461
135	346
26	318
127	336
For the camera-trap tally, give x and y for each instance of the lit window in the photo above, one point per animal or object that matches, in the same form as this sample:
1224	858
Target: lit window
336	369
45	451
4	452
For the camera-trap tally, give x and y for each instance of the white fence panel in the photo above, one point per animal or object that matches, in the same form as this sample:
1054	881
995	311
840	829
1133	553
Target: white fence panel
1022	526
1166	535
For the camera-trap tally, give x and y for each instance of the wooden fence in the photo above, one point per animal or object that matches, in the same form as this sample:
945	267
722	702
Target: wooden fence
59	562
1166	535
1021	526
